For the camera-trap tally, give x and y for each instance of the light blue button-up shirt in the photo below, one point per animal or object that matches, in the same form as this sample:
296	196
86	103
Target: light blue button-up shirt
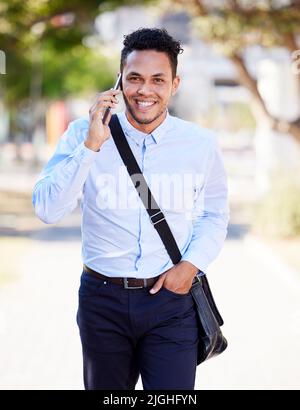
182	164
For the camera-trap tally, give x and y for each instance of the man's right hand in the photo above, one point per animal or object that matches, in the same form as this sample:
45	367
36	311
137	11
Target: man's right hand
99	132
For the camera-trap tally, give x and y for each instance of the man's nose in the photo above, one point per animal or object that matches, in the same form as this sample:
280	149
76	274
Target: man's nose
144	89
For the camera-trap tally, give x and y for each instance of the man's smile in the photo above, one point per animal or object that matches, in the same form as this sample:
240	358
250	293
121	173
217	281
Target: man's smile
143	105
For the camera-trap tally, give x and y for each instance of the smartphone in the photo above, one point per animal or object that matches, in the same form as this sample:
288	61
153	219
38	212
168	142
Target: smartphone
116	86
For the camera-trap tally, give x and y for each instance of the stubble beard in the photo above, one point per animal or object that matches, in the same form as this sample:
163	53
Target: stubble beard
138	120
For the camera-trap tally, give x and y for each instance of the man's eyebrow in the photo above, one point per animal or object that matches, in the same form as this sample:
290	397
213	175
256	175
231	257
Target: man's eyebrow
133	73
139	75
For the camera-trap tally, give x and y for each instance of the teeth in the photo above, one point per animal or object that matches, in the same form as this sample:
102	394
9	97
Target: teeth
145	103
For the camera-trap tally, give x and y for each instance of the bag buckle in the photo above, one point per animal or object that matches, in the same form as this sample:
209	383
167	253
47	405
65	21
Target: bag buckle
159	218
196	279
126	286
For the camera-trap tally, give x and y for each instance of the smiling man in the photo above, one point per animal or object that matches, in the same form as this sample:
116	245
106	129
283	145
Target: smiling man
147	88
136	315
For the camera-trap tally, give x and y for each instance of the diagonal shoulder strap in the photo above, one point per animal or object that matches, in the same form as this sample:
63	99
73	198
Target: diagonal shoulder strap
157	217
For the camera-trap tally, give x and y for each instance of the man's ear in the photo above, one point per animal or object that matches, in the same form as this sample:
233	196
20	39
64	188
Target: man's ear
175	85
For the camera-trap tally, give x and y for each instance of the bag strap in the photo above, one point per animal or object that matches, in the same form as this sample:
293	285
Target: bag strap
157	217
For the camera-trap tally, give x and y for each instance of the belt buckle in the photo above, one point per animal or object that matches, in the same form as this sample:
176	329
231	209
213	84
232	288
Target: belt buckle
125	282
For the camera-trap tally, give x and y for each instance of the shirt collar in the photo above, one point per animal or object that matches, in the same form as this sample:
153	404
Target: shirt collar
139	136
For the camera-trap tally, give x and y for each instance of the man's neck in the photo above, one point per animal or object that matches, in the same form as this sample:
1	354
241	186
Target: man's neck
146	128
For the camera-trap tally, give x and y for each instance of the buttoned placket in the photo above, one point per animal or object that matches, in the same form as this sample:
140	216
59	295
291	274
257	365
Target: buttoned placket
143	215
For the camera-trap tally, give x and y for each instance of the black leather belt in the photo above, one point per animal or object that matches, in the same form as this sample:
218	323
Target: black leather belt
127	283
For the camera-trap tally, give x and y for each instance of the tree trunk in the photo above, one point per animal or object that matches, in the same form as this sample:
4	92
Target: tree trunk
250	83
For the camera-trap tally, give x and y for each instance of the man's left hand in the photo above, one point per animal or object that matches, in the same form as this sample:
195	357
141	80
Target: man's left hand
178	279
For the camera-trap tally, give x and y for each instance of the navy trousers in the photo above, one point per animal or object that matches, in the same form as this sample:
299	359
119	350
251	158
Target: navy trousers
129	332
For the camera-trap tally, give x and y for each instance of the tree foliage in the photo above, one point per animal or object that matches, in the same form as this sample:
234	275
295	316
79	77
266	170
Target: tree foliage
233	25
43	41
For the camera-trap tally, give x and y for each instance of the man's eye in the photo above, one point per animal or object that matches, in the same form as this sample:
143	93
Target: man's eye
133	78
158	80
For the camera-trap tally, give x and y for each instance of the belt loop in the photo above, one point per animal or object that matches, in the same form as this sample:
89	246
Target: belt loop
145	283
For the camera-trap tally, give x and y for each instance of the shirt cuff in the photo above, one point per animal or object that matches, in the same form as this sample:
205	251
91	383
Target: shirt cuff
198	261
83	154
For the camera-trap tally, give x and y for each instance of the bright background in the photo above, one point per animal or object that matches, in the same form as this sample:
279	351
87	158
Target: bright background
240	76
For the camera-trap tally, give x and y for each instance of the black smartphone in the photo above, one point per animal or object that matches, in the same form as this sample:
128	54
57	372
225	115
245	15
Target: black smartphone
116	86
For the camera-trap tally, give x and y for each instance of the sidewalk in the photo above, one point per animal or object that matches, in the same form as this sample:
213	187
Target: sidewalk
255	290
40	346
258	296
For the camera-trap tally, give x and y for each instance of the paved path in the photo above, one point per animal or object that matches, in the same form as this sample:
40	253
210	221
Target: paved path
256	292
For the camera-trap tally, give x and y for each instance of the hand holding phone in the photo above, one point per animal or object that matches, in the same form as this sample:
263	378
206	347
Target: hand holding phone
116	86
98	127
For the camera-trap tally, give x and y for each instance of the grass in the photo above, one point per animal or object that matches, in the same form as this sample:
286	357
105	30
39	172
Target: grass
13	249
16	203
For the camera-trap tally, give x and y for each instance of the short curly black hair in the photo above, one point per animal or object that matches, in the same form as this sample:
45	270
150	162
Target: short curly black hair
151	39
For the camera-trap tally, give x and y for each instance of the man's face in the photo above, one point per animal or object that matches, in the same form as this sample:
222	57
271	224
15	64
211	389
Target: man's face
147	86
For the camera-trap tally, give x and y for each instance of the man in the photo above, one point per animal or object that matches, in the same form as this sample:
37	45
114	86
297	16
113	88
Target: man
145	325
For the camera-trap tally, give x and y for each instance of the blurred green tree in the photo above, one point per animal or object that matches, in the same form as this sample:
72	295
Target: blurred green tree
233	25
46	56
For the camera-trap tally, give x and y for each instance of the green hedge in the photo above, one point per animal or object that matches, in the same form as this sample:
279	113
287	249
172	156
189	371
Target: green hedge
278	214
